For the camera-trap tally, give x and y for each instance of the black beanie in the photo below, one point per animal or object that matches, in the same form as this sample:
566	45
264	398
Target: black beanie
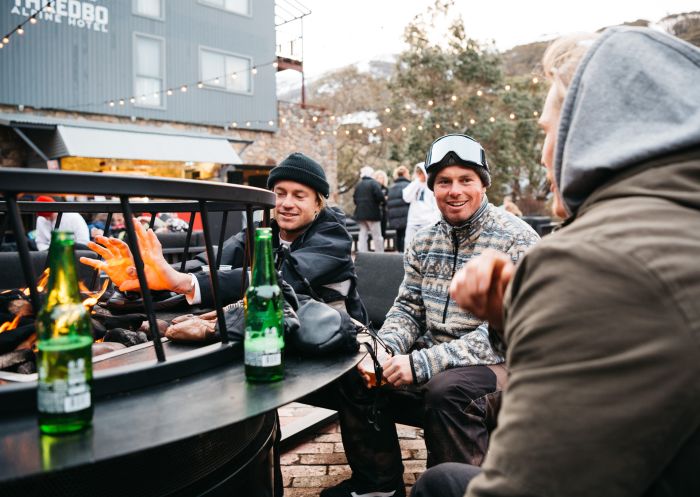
452	159
302	169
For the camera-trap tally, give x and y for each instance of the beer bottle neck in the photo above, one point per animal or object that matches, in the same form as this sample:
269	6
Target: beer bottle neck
263	265
63	278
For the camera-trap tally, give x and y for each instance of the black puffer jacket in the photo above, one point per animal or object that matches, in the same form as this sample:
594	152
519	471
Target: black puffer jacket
368	199
398	209
320	256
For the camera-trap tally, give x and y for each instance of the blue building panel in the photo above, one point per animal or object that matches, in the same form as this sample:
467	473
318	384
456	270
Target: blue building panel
86	54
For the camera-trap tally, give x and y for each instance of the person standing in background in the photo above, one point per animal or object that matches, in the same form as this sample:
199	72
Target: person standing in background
397	207
70	221
423	210
369	200
383	180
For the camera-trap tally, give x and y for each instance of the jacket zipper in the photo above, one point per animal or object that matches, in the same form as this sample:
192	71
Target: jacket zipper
455	243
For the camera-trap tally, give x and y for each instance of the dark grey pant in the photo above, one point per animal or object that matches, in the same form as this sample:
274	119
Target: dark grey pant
456	408
445	480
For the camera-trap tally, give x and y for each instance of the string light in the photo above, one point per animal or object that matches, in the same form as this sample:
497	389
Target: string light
535	80
275	65
271	123
472	122
430	103
437	126
111	103
512	116
30	20
359	131
314	119
121	101
200	85
254	70
454	98
535	113
492	119
507	87
387	110
479	93
183	88
132	100
169	93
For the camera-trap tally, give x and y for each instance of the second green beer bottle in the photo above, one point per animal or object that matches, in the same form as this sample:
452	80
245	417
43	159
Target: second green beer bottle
64	333
264	319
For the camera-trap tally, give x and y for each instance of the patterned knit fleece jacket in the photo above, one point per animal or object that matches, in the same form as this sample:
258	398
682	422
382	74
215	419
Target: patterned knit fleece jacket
424	320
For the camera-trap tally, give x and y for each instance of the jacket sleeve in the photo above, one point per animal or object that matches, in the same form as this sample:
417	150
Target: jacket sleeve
409	193
406	318
229	281
471	349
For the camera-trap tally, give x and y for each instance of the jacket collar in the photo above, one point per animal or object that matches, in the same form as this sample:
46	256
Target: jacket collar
470	227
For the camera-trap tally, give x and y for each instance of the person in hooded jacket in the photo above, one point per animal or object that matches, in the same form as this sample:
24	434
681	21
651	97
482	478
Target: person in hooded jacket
601	319
369	205
397	207
311	242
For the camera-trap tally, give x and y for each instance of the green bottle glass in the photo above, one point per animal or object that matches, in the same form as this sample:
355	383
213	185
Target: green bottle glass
264	320
64	339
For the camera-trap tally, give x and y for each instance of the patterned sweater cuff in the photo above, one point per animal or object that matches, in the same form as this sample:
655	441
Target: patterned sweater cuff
421	366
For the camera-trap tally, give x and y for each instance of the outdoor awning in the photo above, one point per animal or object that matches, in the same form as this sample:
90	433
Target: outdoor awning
54	138
121	144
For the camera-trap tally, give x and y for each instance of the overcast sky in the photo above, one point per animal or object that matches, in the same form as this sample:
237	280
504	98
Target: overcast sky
338	33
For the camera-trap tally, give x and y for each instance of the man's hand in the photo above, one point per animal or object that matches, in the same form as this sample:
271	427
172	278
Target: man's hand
366	368
397	370
119	263
480	285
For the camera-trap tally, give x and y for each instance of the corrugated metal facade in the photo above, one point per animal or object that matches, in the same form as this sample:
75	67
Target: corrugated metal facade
71	66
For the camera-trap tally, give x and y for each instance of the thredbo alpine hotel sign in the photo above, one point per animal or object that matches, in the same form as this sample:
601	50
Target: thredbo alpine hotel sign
76	13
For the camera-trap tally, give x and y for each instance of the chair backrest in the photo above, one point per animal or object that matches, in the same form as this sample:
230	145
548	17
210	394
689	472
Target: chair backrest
379	276
13	275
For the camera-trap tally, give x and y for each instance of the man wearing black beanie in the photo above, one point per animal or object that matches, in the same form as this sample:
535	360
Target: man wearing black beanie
312	245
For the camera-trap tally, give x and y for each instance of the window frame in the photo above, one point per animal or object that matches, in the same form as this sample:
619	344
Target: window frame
163	105
208	86
208	3
134	11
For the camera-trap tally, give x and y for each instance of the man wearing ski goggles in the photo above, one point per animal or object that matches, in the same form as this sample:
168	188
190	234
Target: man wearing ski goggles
441	371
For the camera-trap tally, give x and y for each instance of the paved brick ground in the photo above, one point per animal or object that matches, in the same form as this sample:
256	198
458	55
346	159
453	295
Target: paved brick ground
319	461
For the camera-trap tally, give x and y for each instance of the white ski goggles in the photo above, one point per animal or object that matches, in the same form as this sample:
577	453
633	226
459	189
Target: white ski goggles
463	146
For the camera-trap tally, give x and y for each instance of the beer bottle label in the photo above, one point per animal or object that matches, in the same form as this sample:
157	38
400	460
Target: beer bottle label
61	395
263	350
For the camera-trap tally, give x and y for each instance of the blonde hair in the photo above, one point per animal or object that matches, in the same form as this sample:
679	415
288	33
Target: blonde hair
381	176
561	59
321	201
401	172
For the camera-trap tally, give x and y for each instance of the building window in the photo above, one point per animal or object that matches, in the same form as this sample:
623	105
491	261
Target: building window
149	70
155	9
236	6
225	71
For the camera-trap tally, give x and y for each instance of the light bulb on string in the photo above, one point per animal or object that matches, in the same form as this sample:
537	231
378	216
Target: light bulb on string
347	131
6	40
275	65
407	106
323	132
169	92
492	119
437	125
335	133
270	122
121	101
20	30
374	131
254	70
284	120
301	121
420	127
48	8
359	131
234	75
132	100
314	119
512	116
388	130
479	93
535	113
535	80
111	103
403	128
454	98
247	124
507	87
32	20
183	88
217	80
1	44
455	124
387	110
143	98
200	85
430	103
472	122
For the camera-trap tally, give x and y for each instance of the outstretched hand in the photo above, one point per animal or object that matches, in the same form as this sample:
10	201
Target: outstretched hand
480	285
119	265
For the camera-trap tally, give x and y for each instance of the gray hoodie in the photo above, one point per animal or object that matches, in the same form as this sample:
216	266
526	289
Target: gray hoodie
634	111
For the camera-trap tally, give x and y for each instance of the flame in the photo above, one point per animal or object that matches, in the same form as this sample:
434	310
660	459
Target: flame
10	325
40	283
93	297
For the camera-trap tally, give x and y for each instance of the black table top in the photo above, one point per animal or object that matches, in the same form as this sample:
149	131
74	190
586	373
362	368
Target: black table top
161	414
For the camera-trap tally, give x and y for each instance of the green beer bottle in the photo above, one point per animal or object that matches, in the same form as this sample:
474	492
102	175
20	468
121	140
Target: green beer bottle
64	332
264	326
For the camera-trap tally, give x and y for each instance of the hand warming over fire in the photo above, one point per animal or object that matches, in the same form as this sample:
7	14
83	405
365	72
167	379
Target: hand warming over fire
118	263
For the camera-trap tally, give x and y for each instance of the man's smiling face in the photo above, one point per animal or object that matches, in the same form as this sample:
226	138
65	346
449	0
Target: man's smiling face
458	192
